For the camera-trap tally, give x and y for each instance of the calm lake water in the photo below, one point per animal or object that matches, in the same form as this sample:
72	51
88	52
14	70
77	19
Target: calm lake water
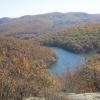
66	60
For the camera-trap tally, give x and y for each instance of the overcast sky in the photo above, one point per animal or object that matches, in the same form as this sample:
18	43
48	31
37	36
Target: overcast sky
17	8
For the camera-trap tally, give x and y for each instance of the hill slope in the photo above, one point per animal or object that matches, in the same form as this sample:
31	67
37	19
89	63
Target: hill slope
78	39
23	69
27	26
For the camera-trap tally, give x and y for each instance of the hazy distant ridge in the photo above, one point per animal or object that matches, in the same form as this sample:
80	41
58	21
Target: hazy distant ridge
45	22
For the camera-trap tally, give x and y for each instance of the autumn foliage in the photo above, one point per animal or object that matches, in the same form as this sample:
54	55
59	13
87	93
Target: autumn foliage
23	69
83	79
78	38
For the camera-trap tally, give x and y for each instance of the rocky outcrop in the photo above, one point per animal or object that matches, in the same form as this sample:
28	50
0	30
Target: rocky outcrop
84	96
35	98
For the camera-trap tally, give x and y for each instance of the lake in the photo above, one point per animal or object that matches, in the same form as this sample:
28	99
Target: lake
66	60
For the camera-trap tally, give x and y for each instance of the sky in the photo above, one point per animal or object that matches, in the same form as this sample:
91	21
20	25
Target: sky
17	8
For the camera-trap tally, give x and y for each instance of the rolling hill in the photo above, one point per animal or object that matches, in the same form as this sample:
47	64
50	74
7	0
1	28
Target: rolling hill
78	39
28	26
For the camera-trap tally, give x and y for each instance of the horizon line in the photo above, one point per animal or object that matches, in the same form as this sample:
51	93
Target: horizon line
47	13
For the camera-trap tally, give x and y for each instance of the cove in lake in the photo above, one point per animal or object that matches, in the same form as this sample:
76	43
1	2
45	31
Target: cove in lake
66	60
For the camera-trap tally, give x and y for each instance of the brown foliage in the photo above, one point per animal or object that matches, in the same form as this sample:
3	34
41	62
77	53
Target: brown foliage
23	69
78	38
84	78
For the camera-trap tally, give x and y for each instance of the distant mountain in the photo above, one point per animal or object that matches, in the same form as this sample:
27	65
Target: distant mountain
5	20
37	24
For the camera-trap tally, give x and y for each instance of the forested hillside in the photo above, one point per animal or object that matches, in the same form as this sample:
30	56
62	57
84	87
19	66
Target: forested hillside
24	69
78	39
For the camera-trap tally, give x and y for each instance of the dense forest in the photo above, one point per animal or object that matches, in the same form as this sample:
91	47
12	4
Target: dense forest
78	38
24	69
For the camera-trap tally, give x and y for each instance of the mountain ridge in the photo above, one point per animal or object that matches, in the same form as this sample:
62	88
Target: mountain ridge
43	23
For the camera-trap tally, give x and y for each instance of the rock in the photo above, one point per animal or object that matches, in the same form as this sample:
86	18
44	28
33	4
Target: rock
85	96
34	98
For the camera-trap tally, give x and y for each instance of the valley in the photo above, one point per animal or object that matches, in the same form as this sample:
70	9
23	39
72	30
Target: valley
45	55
